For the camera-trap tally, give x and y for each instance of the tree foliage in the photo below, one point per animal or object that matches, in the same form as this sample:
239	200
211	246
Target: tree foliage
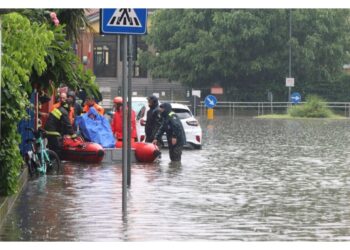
63	66
24	49
247	51
72	19
35	52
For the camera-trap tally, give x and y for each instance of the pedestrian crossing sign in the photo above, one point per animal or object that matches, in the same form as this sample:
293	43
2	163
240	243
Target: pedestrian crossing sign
123	21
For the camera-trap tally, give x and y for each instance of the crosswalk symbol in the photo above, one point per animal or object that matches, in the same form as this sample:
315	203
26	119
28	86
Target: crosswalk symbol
123	21
124	18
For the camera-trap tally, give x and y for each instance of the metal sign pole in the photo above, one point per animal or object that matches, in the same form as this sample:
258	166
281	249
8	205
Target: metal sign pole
129	108
290	52
113	21
194	104
125	124
0	72
289	90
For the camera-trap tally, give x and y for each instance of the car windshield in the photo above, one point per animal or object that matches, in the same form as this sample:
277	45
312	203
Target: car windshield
183	113
137	106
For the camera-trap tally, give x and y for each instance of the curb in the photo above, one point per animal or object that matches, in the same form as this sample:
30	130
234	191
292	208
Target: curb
7	202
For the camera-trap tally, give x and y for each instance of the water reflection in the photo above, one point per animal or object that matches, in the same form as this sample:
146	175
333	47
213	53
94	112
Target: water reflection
253	180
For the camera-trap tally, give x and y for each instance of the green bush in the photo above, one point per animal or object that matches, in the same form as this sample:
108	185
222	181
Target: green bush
34	52
315	107
24	51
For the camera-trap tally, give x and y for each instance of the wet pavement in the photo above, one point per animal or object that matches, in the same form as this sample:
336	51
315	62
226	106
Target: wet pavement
254	180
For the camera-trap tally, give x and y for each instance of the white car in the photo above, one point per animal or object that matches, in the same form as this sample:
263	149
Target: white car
140	106
191	126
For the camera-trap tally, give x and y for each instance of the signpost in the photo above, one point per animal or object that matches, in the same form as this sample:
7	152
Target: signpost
195	94
295	98
126	22
210	102
289	84
130	66
217	91
270	98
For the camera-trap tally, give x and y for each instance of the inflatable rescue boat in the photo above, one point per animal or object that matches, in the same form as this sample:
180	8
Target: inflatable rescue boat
144	152
79	150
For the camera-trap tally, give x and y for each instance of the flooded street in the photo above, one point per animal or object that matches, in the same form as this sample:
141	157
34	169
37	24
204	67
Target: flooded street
254	180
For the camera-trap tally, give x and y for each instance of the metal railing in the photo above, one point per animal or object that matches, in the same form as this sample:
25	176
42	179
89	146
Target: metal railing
272	107
108	104
260	108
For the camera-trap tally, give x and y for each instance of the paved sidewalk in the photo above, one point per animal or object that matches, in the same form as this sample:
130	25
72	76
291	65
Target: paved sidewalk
7	202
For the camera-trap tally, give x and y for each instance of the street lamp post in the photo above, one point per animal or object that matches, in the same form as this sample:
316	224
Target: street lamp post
290	51
0	72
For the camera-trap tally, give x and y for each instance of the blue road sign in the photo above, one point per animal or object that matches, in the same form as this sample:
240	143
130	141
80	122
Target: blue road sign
123	21
210	101
295	97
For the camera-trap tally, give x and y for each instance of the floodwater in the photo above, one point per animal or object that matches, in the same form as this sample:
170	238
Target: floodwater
254	180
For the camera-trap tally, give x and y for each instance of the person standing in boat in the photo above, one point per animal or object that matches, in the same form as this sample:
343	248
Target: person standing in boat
154	120
174	130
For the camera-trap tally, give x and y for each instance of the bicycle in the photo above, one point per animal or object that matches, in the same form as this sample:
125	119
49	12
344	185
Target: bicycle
40	159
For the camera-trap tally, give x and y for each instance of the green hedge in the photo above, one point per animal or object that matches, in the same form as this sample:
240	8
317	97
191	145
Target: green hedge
24	50
34	52
315	107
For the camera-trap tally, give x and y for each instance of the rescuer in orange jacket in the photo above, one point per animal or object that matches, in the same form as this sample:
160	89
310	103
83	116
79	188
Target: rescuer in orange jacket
90	102
117	122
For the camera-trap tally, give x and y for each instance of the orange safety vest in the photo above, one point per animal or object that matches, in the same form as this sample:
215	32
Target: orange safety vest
71	111
98	108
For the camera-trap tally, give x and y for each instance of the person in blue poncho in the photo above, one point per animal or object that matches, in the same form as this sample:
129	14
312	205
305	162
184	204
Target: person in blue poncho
96	128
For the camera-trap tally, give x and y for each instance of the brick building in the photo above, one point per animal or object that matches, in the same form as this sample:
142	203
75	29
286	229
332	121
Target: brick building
102	54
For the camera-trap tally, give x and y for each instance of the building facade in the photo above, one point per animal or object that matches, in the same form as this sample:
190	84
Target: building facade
103	55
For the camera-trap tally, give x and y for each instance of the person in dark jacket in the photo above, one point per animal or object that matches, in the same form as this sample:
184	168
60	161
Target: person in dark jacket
174	130
58	125
76	108
71	99
154	120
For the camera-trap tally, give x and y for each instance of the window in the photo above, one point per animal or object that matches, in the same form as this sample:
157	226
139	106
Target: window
141	113
140	45
101	56
137	105
182	113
